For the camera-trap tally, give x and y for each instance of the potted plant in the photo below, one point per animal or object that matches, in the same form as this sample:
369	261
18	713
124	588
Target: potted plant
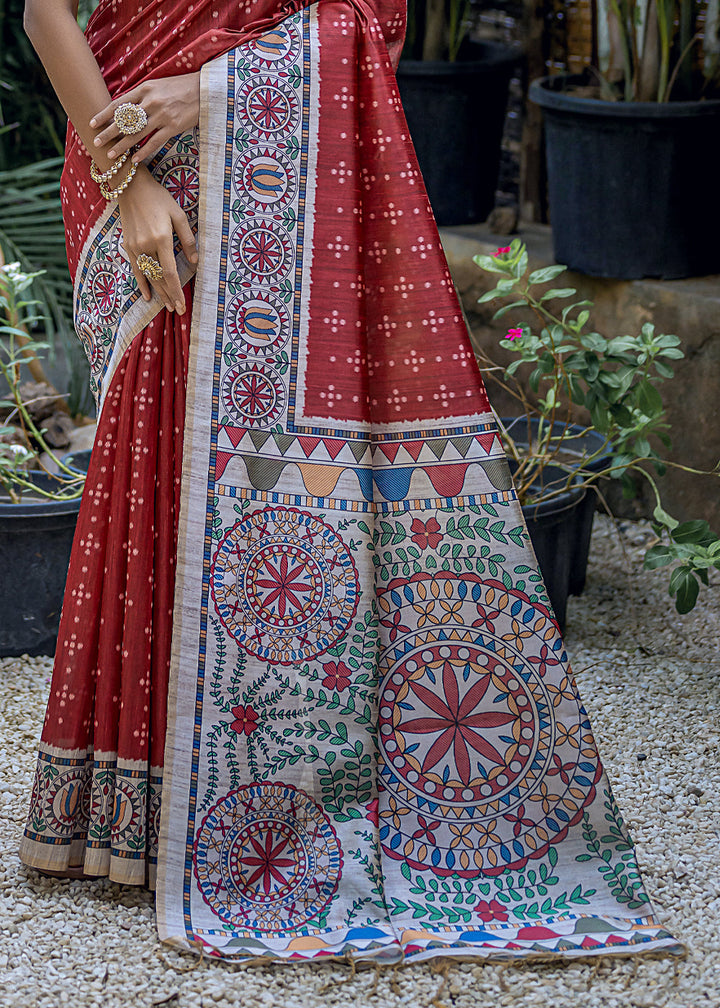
38	508
632	149
615	382
454	94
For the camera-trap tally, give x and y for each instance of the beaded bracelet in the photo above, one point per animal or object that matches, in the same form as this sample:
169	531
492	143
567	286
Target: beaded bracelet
111	194
97	176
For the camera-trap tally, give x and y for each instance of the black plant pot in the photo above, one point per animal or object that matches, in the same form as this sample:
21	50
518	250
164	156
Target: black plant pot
585	442
552	525
633	186
35	542
456	114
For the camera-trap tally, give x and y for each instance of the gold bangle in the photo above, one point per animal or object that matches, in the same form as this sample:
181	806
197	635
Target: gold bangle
111	194
97	176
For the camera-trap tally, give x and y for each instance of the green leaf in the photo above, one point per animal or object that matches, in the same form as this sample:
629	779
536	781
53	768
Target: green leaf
541	276
649	399
697	532
659	556
558	292
663	518
686	586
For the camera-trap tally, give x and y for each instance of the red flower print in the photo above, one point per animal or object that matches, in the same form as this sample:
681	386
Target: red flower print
491	911
246	720
337	675
371	810
395	625
426	533
460	723
426	832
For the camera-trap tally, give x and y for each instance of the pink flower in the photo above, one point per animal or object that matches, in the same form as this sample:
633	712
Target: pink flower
491	911
501	252
246	720
337	675
426	533
512	334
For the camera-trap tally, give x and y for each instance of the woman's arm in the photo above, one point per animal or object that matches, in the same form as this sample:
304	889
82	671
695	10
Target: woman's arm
55	34
150	216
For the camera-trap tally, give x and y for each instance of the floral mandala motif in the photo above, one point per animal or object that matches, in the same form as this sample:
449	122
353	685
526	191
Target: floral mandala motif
180	177
269	106
476	773
261	250
104	286
267	858
254	395
259	323
88	336
266	180
284	585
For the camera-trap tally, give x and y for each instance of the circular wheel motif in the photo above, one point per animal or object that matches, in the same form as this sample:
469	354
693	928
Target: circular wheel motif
259	324
269	106
180	178
456	705
104	286
267	858
67	805
128	811
272	48
284	585
478	774
118	254
266	180
262	250
89	337
254	396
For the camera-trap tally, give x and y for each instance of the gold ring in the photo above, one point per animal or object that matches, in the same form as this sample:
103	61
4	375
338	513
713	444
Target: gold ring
149	267
130	118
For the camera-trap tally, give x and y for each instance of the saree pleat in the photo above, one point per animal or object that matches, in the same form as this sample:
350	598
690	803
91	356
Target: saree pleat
96	797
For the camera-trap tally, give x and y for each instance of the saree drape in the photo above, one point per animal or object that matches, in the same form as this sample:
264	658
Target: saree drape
372	744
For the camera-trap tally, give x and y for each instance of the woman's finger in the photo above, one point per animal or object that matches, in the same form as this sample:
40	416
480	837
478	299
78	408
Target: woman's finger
105	116
156	142
125	143
186	236
147	285
171	280
143	285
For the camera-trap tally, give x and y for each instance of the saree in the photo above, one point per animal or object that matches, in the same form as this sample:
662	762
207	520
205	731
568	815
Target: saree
352	730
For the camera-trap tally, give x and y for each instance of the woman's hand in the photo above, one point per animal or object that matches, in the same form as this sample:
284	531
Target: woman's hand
172	105
150	218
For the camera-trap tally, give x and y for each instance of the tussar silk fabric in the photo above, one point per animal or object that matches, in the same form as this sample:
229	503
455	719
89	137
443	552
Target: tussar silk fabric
372	745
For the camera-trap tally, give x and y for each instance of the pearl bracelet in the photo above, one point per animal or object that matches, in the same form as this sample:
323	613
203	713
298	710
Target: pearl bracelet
97	176
111	194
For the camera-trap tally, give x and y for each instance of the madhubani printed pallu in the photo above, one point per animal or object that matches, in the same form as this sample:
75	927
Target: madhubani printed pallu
374	746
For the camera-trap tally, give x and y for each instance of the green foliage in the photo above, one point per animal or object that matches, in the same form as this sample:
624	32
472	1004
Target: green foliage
522	894
662	49
16	349
32	122
32	232
617	381
614	857
435	29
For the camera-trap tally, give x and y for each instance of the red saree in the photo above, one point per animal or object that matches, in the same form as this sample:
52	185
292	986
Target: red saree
365	738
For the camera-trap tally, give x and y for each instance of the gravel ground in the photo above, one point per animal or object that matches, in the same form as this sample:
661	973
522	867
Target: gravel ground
651	682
